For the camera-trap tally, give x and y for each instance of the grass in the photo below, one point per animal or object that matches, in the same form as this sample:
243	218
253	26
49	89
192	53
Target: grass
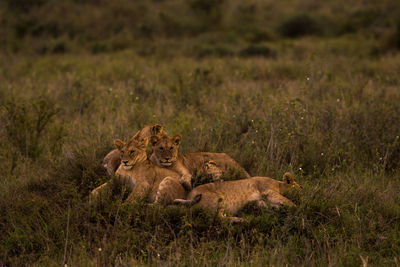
324	107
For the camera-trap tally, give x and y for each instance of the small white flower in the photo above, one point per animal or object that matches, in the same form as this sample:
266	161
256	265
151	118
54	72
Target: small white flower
338	100
99	249
308	78
137	98
322	153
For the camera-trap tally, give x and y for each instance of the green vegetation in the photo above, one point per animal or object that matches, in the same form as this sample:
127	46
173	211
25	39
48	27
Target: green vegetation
300	86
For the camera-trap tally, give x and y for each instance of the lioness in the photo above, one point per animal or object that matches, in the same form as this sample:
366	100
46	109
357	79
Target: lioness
113	159
231	196
165	154
147	180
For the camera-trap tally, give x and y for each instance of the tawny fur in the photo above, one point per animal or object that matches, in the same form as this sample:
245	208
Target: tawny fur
231	196
165	154
113	159
145	179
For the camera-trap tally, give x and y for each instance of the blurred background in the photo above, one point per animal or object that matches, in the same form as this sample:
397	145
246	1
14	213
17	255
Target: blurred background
196	28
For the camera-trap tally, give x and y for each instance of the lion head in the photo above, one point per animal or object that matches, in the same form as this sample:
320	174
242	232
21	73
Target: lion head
132	152
165	149
289	182
150	130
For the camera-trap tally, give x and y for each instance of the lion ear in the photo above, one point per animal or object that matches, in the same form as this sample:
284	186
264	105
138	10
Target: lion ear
288	178
119	144
156	129
177	139
154	140
142	143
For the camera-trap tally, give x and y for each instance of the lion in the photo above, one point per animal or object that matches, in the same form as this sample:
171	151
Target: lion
230	196
113	159
143	177
165	154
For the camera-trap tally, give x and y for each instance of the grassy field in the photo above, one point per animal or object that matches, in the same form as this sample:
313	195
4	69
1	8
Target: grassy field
300	86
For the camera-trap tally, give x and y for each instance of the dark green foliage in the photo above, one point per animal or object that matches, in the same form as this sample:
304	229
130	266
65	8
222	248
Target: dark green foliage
23	5
361	19
86	25
210	12
300	25
27	123
257	50
397	34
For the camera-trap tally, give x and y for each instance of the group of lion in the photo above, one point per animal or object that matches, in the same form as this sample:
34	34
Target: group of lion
166	177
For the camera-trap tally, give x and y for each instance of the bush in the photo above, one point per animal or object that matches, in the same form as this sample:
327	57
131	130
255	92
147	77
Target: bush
397	34
257	50
27	123
219	50
208	11
300	25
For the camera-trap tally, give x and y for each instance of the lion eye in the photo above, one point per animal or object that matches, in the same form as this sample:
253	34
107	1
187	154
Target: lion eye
132	151
171	148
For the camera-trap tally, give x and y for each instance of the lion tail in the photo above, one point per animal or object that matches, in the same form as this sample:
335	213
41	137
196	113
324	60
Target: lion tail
189	202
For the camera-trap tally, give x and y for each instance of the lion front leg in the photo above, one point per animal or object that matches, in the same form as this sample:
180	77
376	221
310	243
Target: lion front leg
276	200
233	219
186	181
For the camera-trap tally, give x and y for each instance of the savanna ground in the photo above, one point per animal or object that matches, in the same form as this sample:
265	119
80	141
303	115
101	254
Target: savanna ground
302	86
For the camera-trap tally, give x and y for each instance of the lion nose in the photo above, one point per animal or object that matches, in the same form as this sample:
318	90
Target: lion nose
167	159
125	162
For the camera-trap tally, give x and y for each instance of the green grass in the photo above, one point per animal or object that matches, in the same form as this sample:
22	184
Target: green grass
323	106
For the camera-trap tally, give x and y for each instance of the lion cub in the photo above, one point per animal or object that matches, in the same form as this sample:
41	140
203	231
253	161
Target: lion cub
147	180
113	159
231	196
165	154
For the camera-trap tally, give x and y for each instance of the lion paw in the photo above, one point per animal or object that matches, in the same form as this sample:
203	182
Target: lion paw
185	181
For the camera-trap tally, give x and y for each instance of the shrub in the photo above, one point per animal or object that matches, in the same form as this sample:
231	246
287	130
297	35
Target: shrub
24	5
257	50
397	34
26	124
209	11
299	25
219	50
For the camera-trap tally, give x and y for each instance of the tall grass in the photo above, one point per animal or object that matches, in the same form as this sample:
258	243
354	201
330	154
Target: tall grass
323	106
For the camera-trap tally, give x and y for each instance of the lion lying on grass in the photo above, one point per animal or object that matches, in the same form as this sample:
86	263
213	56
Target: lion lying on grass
165	154
113	159
143	177
231	196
